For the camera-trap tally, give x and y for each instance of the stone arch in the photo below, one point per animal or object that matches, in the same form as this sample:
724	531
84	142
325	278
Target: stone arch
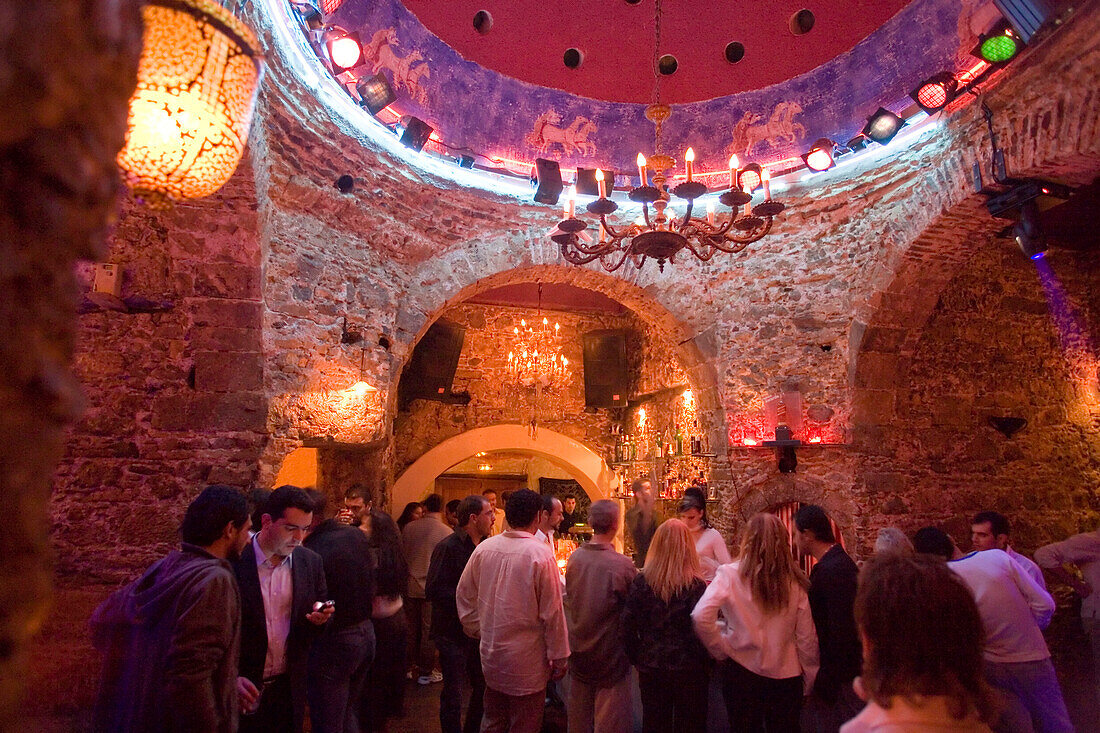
590	470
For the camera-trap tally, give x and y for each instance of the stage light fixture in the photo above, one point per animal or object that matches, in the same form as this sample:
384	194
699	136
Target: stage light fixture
750	178
882	126
1000	45
309	14
934	93
820	156
547	179
375	93
344	49
414	132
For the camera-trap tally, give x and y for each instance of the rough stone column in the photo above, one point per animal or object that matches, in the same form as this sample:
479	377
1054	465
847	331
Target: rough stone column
66	73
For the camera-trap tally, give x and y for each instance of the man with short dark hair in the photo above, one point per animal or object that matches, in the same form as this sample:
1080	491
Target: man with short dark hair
498	513
419	539
450	513
549	519
569	515
170	639
357	505
641	519
509	597
1014	610
458	653
833	582
280	584
597	580
342	655
990	531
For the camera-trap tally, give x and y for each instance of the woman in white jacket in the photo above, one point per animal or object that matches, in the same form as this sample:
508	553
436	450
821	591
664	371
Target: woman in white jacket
766	630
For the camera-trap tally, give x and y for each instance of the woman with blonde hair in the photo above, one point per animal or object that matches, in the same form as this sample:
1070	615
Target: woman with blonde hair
672	664
767	632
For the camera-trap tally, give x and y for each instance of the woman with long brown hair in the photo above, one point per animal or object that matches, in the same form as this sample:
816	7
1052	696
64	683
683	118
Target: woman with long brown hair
672	663
767	632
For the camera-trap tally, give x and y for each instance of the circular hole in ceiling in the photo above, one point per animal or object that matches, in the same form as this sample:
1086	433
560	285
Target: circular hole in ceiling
573	58
483	22
802	22
667	64
735	51
633	2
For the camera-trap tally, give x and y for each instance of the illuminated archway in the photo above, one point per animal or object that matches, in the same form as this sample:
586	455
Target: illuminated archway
592	473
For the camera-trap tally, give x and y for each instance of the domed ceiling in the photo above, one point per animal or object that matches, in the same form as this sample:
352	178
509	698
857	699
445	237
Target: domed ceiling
506	97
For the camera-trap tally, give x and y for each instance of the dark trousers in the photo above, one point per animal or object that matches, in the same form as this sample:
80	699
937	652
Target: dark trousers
460	660
756	703
276	711
674	700
384	696
338	664
421	653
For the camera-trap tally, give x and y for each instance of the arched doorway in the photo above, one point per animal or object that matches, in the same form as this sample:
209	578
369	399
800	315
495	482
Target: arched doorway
594	475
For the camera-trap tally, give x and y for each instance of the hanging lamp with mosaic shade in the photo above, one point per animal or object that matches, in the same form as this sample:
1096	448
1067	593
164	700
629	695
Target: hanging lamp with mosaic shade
192	109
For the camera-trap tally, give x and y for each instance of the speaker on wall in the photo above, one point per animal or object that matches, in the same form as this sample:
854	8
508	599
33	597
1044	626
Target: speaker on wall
548	184
430	372
606	373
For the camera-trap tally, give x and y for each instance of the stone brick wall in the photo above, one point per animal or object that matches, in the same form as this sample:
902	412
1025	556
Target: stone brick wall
174	398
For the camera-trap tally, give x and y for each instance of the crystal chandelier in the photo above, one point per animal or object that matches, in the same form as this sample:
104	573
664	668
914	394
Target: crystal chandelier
535	358
191	111
660	235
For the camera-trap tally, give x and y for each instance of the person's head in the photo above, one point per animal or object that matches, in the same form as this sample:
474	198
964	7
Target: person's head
989	531
522	510
569	503
892	540
256	500
450	512
288	515
476	516
693	510
603	517
671	565
357	499
642	489
433	504
490	496
813	528
320	506
551	514
413	510
766	562
217	520
921	632
934	541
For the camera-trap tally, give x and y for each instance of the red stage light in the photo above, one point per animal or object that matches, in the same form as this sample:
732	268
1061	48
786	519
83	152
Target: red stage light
934	94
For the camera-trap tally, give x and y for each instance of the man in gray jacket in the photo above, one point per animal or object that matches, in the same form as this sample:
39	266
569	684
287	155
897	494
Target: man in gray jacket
170	639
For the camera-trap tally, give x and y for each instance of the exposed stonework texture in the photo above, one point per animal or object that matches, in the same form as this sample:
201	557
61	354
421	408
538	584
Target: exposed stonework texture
58	182
175	398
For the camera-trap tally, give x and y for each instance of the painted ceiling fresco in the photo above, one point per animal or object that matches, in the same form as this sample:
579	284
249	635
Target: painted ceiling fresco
496	116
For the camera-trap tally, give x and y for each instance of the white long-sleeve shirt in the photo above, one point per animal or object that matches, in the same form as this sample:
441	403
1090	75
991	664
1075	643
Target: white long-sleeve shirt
1013	607
712	551
779	645
1082	550
1029	567
509	596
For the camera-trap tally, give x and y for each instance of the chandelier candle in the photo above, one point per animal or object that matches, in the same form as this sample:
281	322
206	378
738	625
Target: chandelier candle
642	180
600	183
734	165
766	179
689	160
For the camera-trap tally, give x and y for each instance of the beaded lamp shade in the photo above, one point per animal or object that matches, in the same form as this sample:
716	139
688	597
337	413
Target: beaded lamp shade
191	111
328	7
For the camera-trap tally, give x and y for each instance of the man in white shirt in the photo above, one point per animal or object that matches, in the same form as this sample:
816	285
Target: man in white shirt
509	597
549	519
990	531
1081	552
419	539
498	513
1014	609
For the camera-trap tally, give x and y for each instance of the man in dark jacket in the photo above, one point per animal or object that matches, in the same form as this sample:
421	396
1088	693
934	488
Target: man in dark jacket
832	593
341	656
170	639
458	653
280	585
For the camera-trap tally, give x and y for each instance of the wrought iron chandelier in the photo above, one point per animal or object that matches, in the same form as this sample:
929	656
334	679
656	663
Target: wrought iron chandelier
535	359
662	234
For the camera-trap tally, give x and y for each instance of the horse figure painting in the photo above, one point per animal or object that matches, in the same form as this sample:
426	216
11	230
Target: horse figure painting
547	131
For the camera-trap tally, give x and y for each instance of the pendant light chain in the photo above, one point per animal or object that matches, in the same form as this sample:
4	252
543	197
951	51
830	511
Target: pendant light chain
657	68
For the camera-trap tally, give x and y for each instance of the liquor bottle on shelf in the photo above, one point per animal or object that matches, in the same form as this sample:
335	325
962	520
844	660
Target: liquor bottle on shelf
633	448
618	449
696	443
668	441
678	441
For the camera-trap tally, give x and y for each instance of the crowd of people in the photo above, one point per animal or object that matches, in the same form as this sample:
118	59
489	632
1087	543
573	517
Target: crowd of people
285	612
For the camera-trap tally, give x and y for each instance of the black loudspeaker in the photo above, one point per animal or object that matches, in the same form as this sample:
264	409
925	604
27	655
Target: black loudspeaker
415	132
606	374
431	370
587	185
547	181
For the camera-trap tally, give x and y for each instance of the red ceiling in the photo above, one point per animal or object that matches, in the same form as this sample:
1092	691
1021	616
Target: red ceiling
528	38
